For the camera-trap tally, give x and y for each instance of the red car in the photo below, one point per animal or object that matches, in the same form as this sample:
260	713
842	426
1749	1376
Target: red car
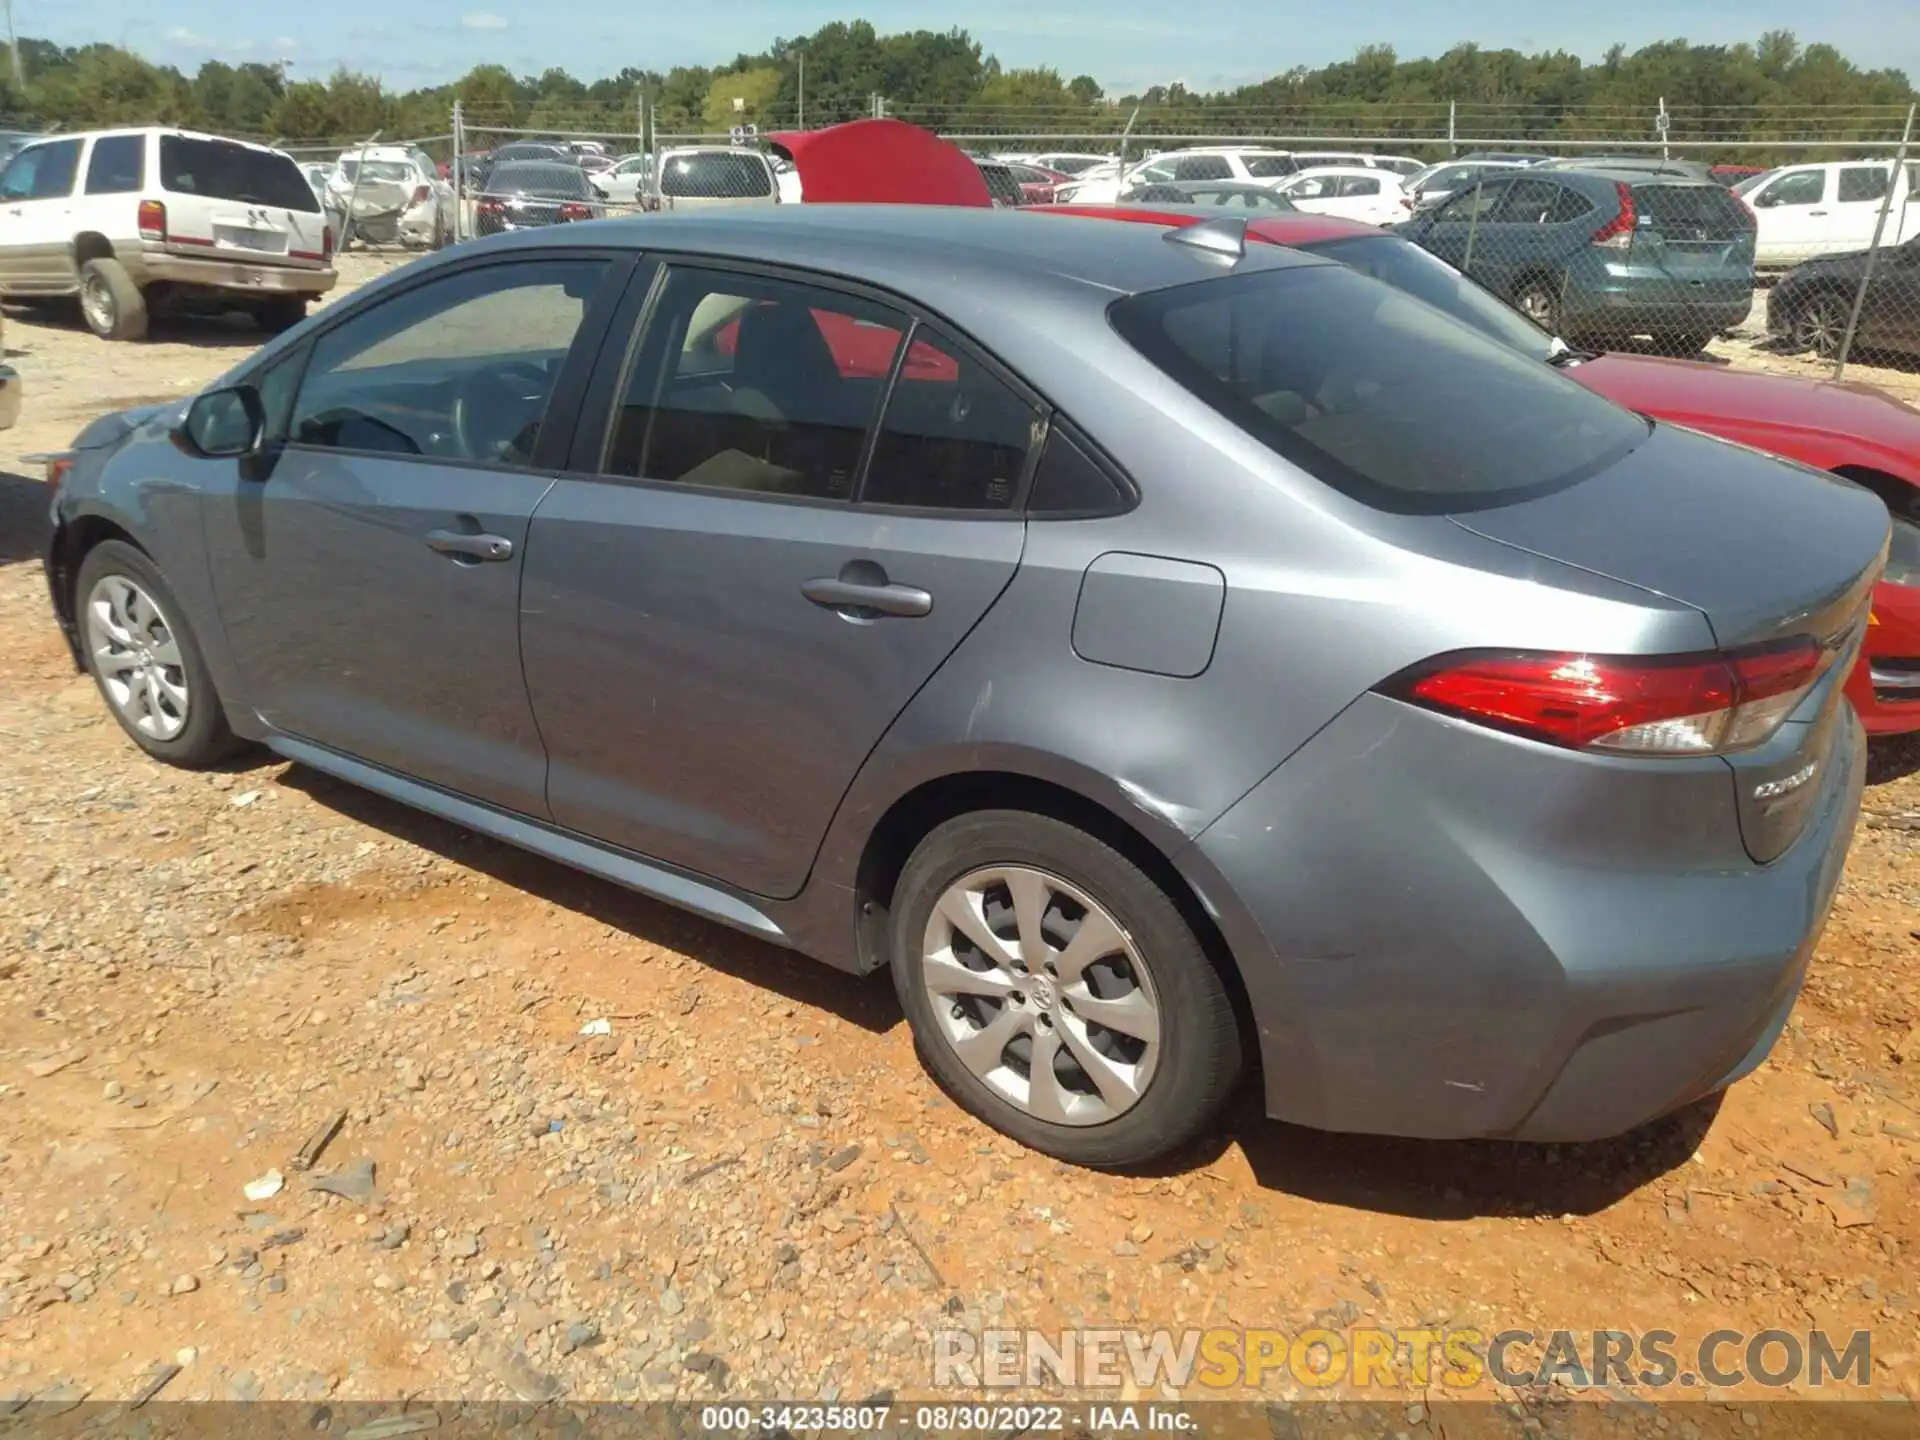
1039	185
1850	430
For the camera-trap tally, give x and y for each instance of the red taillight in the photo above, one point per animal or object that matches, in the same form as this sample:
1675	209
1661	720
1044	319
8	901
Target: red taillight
1617	233
420	194
153	220
1699	704
493	207
574	210
57	468
326	242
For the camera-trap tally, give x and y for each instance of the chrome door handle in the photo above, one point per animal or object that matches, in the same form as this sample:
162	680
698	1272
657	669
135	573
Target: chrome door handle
479	547
837	594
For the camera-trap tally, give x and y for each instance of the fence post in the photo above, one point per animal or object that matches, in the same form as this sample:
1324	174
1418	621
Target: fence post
459	174
1473	227
1663	123
1894	176
1453	113
1124	136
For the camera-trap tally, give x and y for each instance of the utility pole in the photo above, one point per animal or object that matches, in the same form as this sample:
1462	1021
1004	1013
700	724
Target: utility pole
13	51
798	54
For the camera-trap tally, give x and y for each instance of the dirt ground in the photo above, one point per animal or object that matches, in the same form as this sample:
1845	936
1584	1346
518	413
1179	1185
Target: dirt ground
748	1186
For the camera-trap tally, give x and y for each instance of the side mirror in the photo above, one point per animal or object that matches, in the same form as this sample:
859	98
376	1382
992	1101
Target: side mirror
223	424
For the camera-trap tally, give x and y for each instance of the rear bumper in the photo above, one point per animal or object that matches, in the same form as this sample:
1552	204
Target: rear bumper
1449	933
10	397
155	266
1662	308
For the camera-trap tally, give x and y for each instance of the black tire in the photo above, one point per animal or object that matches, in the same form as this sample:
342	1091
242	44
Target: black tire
205	739
110	302
1820	324
1539	301
1199	1058
280	313
1685	344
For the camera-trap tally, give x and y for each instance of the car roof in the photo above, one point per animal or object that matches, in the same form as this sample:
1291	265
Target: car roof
941	255
1371	172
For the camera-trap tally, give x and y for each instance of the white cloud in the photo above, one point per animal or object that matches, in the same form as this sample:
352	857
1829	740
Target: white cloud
180	35
482	20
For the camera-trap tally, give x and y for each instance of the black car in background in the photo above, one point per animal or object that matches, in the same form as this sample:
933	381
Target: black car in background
1808	307
514	151
525	194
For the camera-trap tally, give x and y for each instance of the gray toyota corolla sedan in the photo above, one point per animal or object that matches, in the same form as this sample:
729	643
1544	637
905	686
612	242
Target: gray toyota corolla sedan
1164	654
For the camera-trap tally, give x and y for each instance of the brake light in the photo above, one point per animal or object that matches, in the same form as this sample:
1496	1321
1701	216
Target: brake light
153	220
420	194
326	242
574	210
1617	233
1699	704
493	207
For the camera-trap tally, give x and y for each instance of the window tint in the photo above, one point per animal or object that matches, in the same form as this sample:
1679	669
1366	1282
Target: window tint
1801	187
1069	482
1268	167
459	368
42	172
1568	205
117	165
1202	167
1375	392
756	385
1360	185
954	436
716	175
1473	200
1526	202
226	170
1863	182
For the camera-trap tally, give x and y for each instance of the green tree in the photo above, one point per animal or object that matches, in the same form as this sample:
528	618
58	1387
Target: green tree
742	98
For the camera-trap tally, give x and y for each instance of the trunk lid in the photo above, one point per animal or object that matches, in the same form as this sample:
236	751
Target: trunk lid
1762	547
1765	549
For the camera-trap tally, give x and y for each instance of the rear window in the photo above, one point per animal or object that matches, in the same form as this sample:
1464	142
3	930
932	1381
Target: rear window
538	177
391	172
1405	266
222	170
1692	212
1375	392
716	175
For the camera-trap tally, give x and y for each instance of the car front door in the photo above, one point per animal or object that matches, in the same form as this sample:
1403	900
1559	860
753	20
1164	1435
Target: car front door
1456	231
1793	213
369	583
36	201
720	622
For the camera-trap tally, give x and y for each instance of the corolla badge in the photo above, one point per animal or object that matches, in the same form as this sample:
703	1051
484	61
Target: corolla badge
1786	784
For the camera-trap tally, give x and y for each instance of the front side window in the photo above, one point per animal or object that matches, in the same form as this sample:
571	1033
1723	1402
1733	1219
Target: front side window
1202	167
459	368
1355	185
42	172
954	436
1312	187
1797	187
1268	167
1374	392
1526	202
117	165
1476	201
757	385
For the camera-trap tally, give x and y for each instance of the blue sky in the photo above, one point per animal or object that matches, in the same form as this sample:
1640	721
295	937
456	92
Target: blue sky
1125	44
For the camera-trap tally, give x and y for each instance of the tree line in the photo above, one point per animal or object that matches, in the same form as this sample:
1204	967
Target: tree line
1774	89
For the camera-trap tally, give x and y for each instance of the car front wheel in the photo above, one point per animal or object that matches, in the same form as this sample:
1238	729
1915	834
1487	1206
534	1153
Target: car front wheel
146	661
1057	992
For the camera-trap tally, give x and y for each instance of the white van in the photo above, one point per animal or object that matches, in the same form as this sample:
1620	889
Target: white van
132	220
704	177
1828	209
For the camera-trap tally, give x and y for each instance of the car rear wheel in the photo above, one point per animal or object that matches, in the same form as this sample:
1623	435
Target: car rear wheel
1821	325
1056	991
145	660
1539	301
110	302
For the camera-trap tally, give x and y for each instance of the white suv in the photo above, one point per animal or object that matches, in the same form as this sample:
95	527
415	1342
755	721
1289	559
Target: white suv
135	220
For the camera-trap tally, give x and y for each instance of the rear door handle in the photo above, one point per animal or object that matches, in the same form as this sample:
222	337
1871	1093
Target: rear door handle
480	547
836	594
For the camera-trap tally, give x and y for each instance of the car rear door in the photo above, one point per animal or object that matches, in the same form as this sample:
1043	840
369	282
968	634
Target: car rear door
368	579
719	622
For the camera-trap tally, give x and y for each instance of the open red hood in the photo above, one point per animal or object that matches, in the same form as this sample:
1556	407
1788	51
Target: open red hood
881	162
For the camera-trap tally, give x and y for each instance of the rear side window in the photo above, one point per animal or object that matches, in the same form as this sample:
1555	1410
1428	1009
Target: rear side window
954	435
1526	202
1070	483
1360	185
118	165
223	170
1202	167
1692	212
1374	392
1863	182
716	175
1271	167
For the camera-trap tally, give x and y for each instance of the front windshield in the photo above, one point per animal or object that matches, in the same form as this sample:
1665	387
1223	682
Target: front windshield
1405	266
